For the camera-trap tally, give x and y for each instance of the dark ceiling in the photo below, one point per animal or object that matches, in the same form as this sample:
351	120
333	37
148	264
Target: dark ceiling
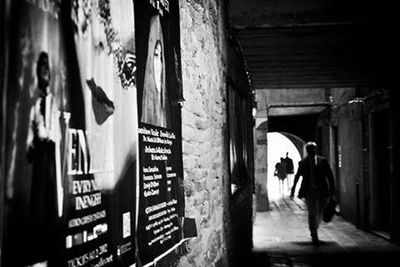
306	57
315	44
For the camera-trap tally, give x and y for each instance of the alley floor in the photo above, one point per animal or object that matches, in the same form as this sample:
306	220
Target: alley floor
281	238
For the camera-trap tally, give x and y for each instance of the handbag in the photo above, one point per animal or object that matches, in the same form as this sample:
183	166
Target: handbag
329	210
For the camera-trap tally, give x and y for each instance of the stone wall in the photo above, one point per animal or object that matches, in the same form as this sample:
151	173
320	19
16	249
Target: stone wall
204	68
350	146
261	167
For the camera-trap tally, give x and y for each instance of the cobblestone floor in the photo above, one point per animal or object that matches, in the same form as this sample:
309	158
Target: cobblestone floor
281	238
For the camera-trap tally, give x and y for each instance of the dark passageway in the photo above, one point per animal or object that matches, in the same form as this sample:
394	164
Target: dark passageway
281	238
323	71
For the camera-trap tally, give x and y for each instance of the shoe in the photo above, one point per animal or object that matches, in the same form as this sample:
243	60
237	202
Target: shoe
314	239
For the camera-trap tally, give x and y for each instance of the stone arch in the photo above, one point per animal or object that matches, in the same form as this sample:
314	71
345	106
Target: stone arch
297	141
279	143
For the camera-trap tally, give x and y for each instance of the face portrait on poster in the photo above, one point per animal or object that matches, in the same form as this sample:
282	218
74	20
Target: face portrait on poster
72	135
36	97
93	149
160	154
155	100
104	39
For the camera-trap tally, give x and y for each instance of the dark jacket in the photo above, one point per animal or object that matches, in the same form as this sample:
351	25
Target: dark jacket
289	165
323	180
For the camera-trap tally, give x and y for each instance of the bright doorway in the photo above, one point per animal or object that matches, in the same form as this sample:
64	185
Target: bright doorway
278	146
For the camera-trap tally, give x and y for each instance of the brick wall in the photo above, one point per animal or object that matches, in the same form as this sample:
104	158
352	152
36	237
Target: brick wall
204	64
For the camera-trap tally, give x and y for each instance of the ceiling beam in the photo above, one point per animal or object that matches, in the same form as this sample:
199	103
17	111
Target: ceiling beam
264	86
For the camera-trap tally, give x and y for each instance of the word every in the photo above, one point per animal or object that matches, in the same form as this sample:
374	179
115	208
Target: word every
84	187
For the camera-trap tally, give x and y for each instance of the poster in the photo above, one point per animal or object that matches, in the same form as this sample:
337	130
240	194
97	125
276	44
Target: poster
161	204
102	186
71	142
159	226
93	148
36	95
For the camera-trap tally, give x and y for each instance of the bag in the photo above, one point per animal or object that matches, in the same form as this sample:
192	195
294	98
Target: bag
329	211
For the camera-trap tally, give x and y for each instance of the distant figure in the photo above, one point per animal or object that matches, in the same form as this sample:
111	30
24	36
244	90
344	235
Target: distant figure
289	169
317	187
280	172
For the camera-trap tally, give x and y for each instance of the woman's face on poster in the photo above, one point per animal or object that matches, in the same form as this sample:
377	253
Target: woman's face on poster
158	65
43	71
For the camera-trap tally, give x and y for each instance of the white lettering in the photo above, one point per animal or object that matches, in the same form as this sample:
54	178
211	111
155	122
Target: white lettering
78	152
160	5
88	257
84	186
87	201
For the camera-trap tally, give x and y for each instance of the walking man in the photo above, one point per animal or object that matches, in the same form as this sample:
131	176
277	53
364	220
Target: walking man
317	186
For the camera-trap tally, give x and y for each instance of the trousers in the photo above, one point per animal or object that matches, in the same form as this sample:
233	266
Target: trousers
315	207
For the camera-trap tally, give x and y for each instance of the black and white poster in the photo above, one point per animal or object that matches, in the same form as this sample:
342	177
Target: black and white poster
159	226
161	202
103	186
93	149
72	139
37	99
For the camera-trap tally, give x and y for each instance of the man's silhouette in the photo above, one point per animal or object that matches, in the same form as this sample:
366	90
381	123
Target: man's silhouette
317	186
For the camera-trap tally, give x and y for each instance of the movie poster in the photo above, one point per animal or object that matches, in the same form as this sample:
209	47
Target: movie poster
103	167
71	140
161	205
36	96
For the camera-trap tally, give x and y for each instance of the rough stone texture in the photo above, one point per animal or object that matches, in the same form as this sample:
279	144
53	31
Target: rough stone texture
203	50
261	168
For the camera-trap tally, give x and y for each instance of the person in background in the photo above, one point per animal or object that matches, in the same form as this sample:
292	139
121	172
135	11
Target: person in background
289	169
280	172
317	187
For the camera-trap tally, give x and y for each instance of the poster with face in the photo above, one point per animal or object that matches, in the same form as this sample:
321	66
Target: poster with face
71	136
161	205
36	96
104	37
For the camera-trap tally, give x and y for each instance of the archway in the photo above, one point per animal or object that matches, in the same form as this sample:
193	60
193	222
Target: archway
278	145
